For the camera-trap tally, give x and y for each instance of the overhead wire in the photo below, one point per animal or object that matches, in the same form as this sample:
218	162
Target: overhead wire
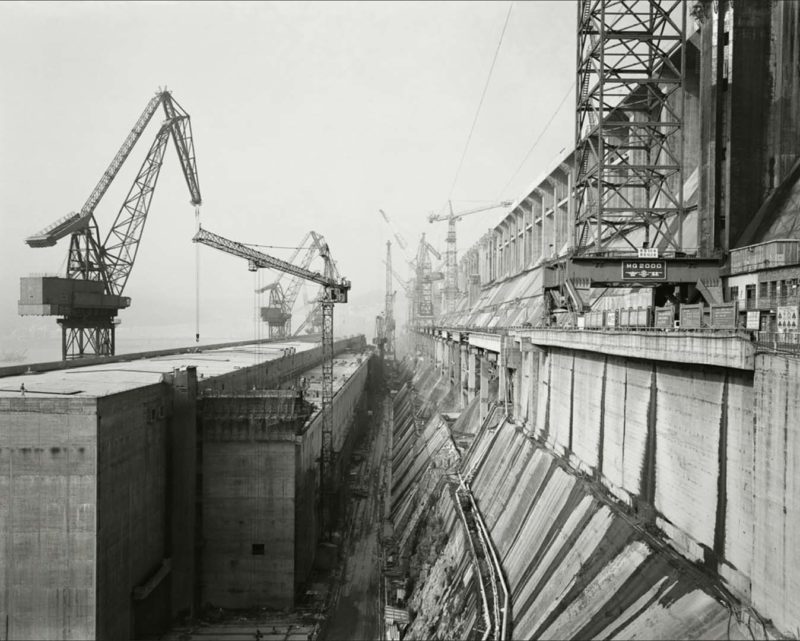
480	102
538	138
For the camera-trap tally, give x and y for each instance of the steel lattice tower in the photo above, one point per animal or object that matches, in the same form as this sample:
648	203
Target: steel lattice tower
629	145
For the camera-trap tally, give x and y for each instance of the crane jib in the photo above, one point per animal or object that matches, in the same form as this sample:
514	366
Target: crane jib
335	289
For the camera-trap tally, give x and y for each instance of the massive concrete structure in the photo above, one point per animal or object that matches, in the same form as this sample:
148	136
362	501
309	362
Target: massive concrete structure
634	479
102	466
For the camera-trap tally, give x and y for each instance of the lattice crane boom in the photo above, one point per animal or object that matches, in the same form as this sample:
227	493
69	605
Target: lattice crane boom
88	309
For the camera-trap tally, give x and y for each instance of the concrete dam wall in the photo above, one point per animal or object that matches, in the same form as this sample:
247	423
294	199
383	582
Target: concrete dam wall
624	498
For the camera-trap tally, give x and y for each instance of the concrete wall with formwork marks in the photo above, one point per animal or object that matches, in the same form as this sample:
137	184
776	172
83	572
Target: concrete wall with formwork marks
133	534
248	499
48	489
260	482
774	549
627	492
351	380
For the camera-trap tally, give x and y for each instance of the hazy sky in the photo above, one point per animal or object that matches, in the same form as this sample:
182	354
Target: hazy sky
305	116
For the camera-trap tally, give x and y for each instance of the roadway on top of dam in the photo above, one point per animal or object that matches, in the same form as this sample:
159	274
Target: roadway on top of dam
720	348
109	376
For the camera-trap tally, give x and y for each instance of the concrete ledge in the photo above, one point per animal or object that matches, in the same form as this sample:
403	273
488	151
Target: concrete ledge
719	349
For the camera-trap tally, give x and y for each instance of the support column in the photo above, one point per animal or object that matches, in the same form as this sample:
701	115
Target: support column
472	373
456	352
464	375
483	387
502	389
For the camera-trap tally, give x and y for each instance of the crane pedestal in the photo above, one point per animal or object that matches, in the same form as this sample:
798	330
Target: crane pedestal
81	337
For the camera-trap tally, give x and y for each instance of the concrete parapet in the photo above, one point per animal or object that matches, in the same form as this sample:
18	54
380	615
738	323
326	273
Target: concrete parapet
718	349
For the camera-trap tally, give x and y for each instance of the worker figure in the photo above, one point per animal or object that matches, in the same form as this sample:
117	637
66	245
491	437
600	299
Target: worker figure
22	389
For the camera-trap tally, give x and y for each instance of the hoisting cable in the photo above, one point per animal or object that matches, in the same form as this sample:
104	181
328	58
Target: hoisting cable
480	102
539	137
197	277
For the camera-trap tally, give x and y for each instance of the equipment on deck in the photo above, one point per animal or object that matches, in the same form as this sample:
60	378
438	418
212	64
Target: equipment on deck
90	296
334	290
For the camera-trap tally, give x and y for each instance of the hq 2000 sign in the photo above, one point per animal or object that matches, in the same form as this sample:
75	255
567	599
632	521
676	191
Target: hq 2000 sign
644	269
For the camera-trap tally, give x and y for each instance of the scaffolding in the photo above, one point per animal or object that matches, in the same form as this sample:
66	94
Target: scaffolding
629	143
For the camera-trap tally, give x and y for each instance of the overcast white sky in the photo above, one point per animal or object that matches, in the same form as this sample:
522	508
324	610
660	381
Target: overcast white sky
305	116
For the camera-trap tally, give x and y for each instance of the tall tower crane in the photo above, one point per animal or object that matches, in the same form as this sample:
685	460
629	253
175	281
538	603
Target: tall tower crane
388	321
334	290
90	296
282	295
451	261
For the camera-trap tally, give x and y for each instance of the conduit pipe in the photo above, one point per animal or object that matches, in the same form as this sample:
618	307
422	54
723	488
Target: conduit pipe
486	620
497	567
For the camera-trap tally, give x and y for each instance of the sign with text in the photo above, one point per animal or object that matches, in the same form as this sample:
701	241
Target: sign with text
691	316
664	316
650	252
754	320
724	316
788	319
644	269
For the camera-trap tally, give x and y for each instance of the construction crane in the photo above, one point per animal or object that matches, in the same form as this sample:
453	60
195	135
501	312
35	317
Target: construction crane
334	290
397	236
407	286
423	311
278	312
388	313
451	259
90	296
313	321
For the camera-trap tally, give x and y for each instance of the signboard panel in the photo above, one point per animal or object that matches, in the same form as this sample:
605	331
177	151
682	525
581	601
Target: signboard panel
787	318
754	320
691	316
663	317
425	308
723	316
650	252
643	269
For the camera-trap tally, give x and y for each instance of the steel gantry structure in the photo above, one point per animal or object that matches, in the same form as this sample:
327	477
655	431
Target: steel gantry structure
629	118
90	296
334	290
451	259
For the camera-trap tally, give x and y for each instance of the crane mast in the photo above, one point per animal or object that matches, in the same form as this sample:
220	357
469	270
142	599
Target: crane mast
424	279
334	290
388	322
90	295
451	291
